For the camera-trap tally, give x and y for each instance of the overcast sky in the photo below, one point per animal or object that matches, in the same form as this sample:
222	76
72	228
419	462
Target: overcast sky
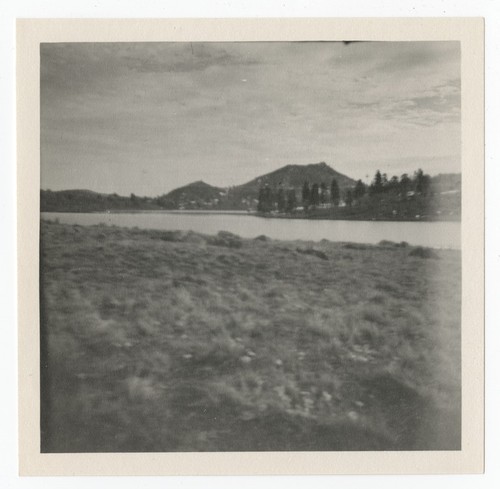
149	117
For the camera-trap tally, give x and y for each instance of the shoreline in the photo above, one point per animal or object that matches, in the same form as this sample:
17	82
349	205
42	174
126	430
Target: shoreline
252	213
262	236
360	219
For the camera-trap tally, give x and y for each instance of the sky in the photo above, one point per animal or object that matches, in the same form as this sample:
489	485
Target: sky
146	118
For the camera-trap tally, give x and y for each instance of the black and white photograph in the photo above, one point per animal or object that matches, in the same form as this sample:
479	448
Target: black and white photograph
250	246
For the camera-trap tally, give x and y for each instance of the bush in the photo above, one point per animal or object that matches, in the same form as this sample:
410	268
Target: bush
386	242
226	239
171	236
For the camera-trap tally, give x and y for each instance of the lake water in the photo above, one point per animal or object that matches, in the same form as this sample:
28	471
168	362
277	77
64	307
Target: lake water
432	234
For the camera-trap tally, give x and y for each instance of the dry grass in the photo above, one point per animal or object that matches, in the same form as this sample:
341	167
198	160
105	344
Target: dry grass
172	341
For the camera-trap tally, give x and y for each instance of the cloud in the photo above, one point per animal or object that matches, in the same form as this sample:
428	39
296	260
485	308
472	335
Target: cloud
165	114
195	57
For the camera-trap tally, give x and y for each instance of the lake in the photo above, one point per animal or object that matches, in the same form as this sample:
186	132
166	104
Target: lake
432	234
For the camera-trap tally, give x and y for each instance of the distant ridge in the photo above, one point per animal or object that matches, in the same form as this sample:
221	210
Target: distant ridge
76	191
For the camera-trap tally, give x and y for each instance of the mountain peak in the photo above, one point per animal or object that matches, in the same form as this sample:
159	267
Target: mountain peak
296	175
319	166
199	184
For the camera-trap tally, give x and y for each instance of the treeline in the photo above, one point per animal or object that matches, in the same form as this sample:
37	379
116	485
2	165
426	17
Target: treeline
285	200
317	194
404	197
87	201
420	184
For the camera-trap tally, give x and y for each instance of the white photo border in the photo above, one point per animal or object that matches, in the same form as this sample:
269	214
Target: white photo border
470	33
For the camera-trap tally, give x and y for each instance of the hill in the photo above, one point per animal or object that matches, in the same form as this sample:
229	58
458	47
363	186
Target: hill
296	175
289	176
192	196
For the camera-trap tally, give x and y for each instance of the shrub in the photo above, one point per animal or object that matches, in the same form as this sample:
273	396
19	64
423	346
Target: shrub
171	236
386	242
392	244
226	239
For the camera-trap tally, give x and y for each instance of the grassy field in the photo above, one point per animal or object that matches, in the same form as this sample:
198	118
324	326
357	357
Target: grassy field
175	341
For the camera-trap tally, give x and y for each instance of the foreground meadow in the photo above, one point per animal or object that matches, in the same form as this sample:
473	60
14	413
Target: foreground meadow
175	341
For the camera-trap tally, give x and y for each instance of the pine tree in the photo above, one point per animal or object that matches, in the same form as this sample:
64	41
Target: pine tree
377	186
306	194
268	199
281	199
291	200
404	184
422	182
359	190
334	192
265	198
394	183
322	193
348	198
260	205
315	194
